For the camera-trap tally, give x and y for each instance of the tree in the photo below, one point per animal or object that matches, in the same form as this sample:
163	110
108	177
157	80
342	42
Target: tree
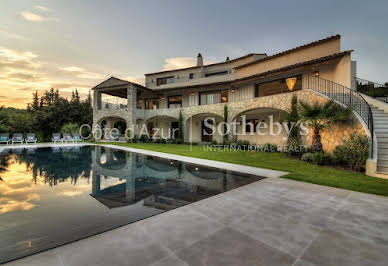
320	116
226	121
293	117
180	125
69	128
4	119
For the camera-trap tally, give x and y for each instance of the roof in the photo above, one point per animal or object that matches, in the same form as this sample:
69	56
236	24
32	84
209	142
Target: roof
292	50
117	82
194	67
305	63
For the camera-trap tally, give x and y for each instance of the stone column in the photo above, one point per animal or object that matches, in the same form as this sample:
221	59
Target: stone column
131	106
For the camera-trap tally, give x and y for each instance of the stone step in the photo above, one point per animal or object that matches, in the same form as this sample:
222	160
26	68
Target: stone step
382	140
381	135
381	125
381	130
382	169
381	156
381	119
382	145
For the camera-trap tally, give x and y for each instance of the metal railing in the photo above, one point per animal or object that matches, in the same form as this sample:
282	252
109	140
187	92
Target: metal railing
113	104
346	96
373	89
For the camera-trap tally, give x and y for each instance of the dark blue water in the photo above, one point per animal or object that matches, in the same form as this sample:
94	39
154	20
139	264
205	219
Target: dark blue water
53	196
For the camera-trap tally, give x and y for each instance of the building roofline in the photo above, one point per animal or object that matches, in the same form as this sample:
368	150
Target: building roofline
334	37
124	82
310	62
193	67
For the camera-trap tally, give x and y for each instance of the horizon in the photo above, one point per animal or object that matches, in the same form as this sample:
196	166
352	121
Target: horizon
52	44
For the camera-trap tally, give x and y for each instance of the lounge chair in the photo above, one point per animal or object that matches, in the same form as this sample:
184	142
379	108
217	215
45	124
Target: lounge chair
31	138
77	137
56	137
4	138
17	138
67	137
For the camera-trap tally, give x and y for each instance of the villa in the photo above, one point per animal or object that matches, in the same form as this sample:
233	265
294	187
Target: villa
256	86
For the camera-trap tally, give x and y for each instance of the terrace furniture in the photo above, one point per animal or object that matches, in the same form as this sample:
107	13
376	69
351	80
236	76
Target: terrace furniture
67	137
56	137
17	138
31	138
77	137
4	138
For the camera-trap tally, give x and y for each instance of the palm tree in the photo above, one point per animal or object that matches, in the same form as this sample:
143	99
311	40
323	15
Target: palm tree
319	116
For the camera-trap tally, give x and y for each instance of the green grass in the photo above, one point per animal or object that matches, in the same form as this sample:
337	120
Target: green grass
298	170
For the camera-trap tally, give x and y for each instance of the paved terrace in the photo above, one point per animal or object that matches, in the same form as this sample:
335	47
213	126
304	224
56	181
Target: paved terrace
274	221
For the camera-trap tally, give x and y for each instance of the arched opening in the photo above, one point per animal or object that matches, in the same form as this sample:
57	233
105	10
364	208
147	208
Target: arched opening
204	128
165	127
117	123
261	126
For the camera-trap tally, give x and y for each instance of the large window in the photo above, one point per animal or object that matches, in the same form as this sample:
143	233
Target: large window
165	80
278	86
152	104
175	101
216	73
212	97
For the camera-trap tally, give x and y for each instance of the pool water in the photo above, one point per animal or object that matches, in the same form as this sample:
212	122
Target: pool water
53	196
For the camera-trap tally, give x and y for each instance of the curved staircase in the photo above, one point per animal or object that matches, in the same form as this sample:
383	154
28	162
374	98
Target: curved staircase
381	132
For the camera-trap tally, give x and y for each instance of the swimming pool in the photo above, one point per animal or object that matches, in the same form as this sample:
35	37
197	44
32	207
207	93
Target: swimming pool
53	196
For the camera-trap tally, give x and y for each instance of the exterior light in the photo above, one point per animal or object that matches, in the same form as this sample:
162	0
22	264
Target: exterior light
193	94
316	73
291	83
196	169
232	90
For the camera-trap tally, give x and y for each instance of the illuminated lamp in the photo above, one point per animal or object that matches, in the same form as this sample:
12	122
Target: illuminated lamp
291	83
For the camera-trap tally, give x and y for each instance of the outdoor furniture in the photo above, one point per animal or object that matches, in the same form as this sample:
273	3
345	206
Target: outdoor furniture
31	138
67	137
77	137
56	137
17	138
4	138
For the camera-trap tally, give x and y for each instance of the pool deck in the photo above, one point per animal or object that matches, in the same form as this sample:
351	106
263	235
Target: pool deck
274	221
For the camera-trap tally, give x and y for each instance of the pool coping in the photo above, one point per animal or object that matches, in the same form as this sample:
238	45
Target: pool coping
263	172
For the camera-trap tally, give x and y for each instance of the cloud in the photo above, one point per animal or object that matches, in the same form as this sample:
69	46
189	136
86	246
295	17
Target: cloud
42	8
181	62
27	15
82	73
72	69
137	80
10	35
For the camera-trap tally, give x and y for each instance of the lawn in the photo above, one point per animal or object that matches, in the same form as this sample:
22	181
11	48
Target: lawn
298	170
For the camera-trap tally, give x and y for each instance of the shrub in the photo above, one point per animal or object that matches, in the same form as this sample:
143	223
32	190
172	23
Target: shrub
69	128
269	147
144	138
307	157
320	158
214	142
353	152
178	141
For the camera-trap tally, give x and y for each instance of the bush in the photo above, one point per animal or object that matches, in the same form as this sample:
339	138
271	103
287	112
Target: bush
214	142
353	152
178	141
320	158
144	138
69	128
307	157
269	147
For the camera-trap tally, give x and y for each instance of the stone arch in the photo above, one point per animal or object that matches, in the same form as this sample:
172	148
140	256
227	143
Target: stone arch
110	123
194	127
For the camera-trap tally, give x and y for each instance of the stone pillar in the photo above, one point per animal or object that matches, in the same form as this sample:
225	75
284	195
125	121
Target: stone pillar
131	106
130	188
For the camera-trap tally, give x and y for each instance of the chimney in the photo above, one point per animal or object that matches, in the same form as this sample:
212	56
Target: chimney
199	60
227	59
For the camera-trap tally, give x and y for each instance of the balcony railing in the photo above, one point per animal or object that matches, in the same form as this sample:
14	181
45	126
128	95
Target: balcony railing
113	104
346	96
373	89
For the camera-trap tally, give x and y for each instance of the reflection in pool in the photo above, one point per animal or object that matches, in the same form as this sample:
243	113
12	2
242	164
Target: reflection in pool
52	196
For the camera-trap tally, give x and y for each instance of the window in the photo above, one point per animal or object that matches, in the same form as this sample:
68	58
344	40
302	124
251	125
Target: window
191	76
175	101
277	86
151	104
256	90
166	80
212	97
216	73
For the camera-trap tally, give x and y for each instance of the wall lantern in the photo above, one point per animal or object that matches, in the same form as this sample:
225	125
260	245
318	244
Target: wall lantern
193	94
291	83
232	90
316	73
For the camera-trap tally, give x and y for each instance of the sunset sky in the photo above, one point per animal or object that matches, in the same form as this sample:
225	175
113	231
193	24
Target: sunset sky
77	44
